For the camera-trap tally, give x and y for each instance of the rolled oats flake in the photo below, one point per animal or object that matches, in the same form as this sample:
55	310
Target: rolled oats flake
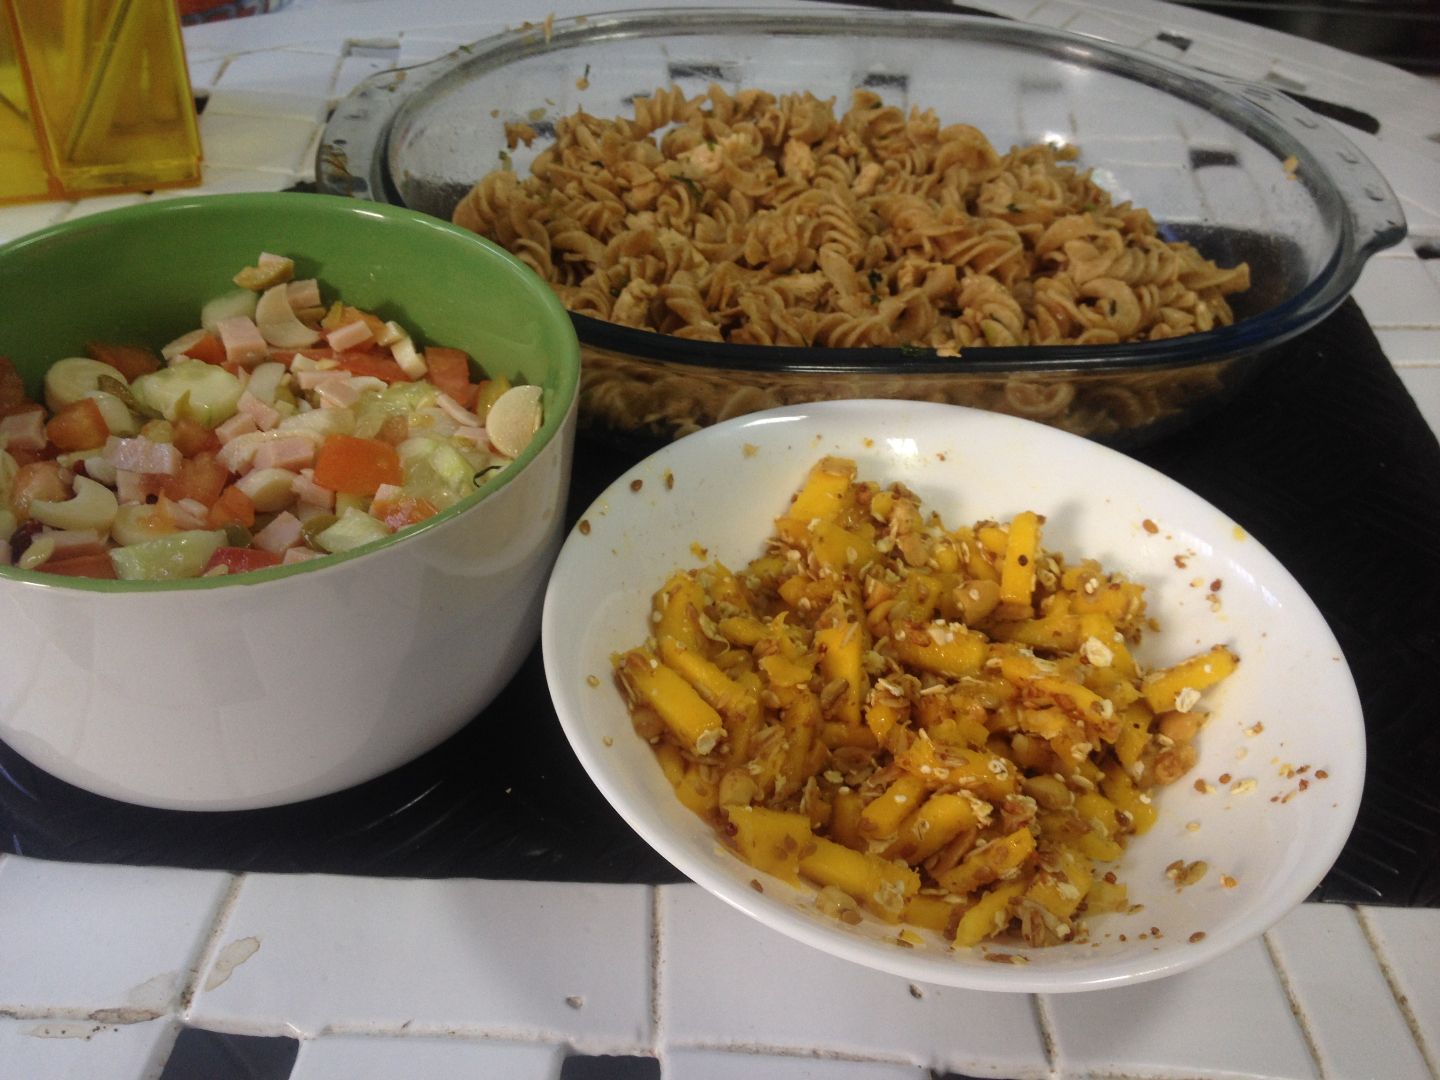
1186	699
1096	652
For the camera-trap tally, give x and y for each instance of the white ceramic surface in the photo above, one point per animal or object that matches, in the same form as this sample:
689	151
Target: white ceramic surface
257	695
730	481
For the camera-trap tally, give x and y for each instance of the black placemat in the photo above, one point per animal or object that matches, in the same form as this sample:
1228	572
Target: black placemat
1323	457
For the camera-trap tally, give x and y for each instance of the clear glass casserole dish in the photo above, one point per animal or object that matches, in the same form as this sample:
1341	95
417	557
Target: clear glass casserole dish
1239	170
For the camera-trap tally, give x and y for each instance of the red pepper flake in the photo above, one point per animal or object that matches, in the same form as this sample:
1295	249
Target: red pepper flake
1304	785
1224	778
1321	774
636	484
1215	585
1197	937
1150	527
754	884
584	527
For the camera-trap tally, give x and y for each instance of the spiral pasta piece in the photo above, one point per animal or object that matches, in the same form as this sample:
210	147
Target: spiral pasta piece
756	219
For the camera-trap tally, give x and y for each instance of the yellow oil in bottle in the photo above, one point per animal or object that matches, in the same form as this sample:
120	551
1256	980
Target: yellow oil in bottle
22	164
109	91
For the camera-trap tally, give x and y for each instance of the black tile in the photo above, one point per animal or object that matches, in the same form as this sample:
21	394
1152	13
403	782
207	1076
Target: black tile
213	1055
606	1067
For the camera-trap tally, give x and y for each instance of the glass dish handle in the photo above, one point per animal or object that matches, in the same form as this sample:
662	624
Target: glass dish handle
1375	211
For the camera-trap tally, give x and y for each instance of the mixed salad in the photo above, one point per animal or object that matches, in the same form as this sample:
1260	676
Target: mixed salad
285	427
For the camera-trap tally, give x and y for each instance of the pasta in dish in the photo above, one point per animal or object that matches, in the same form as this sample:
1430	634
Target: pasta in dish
763	220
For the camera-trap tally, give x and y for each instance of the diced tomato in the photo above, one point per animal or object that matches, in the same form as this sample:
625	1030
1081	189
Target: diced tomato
78	426
357	466
193	437
201	478
450	372
372	363
209	348
238	560
130	360
403	510
12	387
91	566
36	480
233	507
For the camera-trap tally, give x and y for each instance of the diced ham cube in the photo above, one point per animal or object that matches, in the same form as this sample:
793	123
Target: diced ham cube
387	493
304	293
244	344
142	456
350	336
337	394
23	430
237	454
292	452
309	493
185	513
298	554
239	424
283	533
134	487
264	415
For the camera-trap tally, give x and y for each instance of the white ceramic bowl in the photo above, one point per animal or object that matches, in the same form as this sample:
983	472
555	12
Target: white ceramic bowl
732	480
267	688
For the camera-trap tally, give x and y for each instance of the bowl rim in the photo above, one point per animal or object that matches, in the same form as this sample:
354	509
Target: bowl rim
1313	857
1239	103
567	368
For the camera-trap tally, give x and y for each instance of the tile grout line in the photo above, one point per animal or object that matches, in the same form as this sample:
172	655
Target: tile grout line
656	1042
210	947
1293	1000
161	1053
1401	1000
1047	1035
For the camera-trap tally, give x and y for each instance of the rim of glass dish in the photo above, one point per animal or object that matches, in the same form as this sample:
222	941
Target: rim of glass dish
1322	294
566	390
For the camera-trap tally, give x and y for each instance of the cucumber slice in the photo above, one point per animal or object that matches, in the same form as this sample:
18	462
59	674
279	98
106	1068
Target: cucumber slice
177	555
203	392
354	529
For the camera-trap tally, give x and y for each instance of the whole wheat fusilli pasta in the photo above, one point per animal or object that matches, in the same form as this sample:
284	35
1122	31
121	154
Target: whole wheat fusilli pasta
753	219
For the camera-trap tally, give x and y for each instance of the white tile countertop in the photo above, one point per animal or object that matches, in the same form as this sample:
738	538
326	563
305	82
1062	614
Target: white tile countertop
119	972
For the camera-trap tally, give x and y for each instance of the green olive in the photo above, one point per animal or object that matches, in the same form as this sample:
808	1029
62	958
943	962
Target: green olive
314	526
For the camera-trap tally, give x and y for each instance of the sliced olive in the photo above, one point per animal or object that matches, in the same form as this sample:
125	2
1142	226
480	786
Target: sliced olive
314	526
118	389
237	535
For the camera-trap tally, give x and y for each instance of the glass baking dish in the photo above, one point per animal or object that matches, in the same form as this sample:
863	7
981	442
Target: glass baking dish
1238	169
